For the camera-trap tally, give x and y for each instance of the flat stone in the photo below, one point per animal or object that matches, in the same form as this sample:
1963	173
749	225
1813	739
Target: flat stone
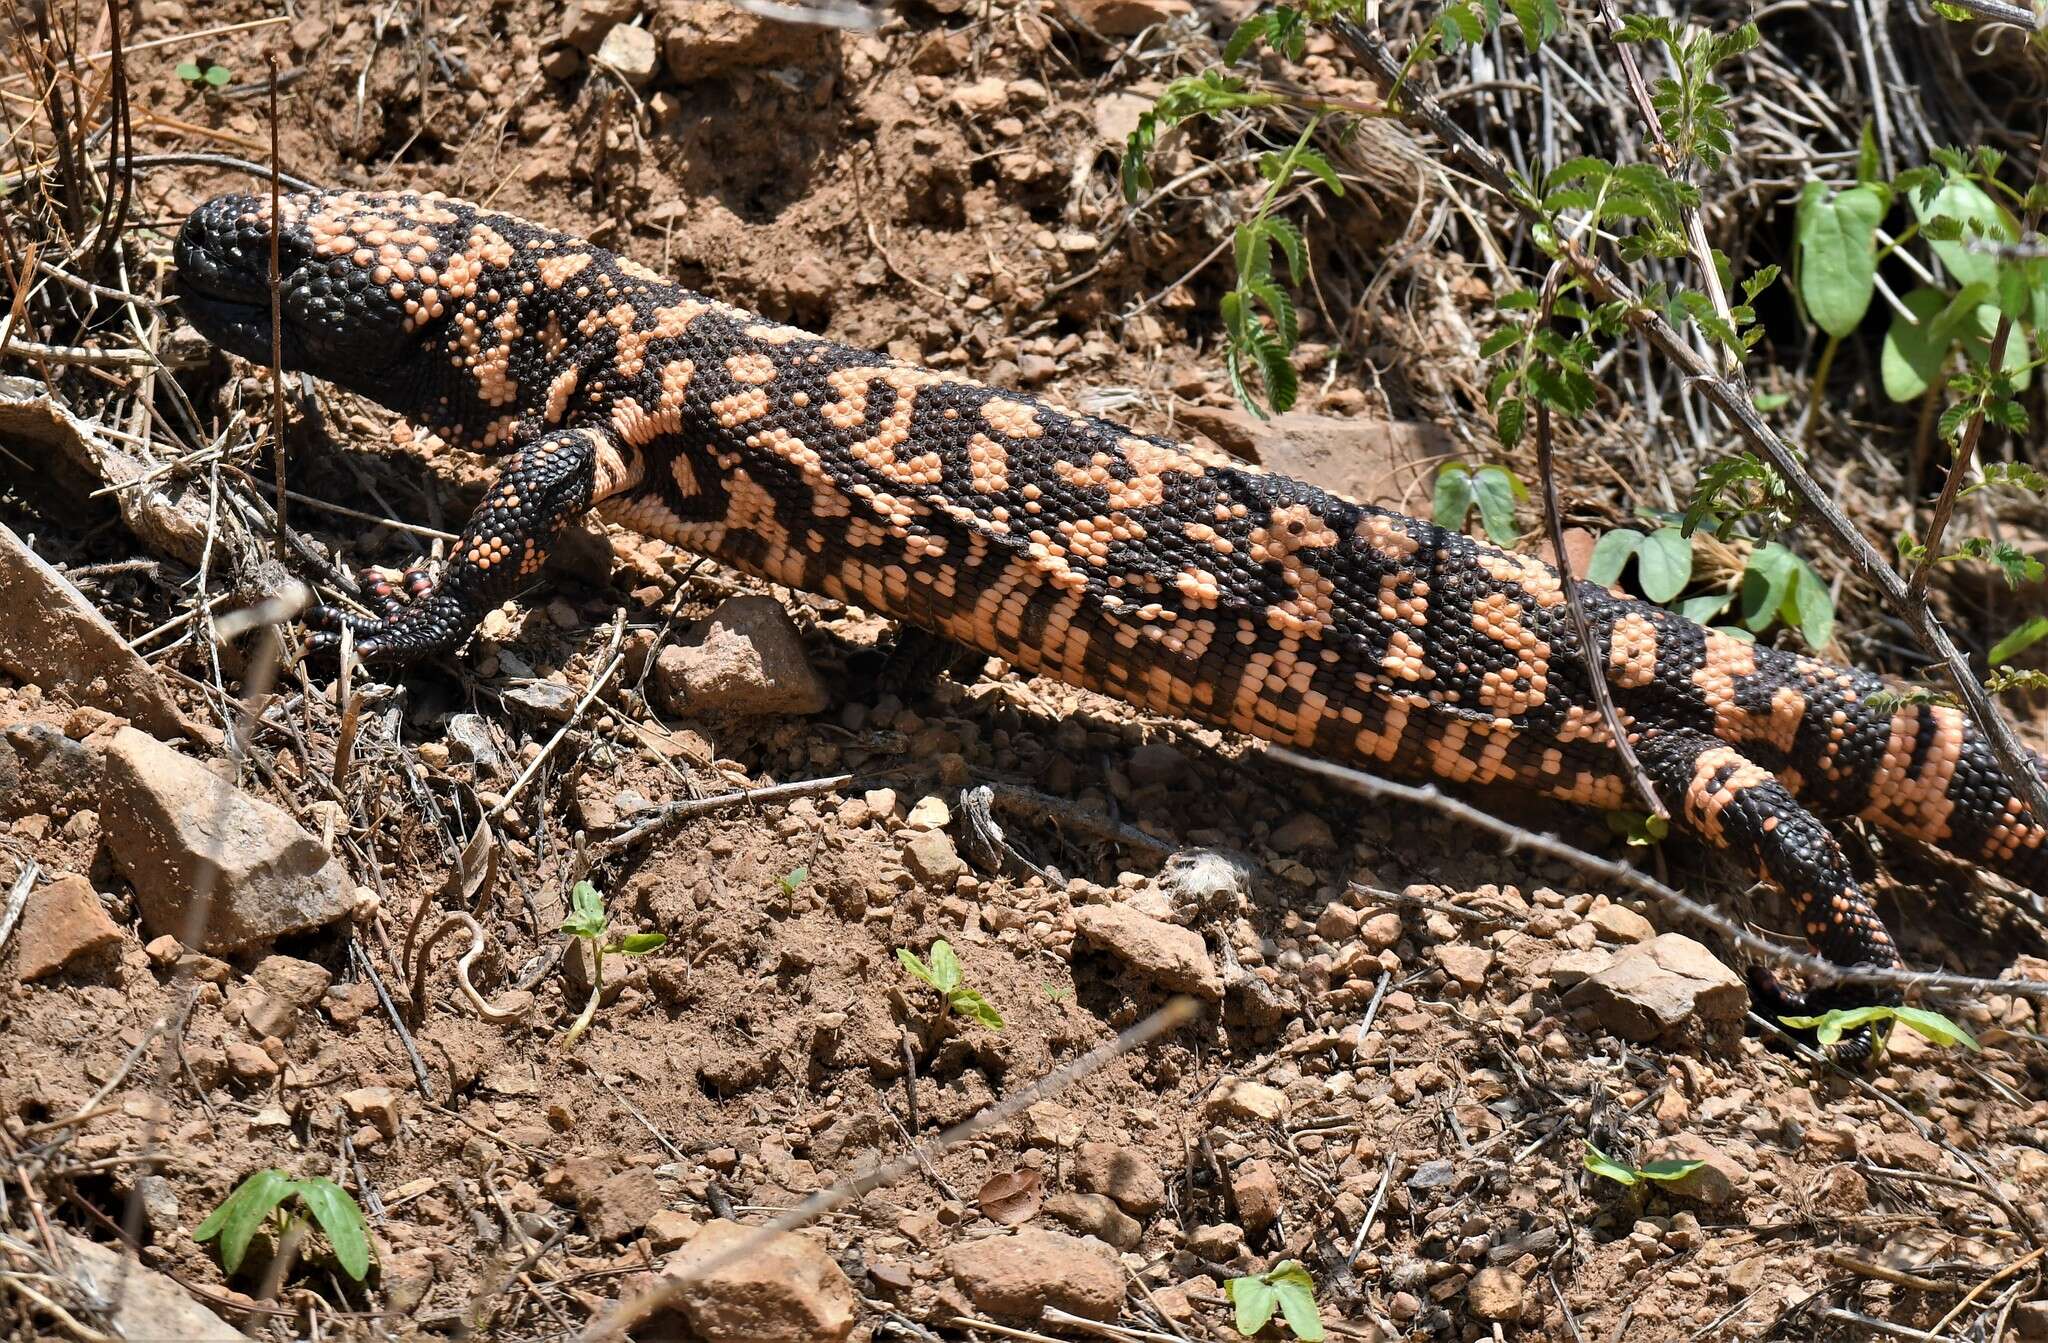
62	925
1386	463
176	829
1466	965
1256	1185
631	52
746	659
1095	1215
585	22
375	1106
622	1205
147	1305
704	39
1122	1173
1661	986
1125	18
1619	923
1237	1098
1719	1181
1165	954
785	1289
932	858
1017	1276
52	636
1571	968
1497	1294
44	771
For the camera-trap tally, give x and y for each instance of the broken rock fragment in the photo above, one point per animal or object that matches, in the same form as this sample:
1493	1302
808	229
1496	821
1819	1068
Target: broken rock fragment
1173	957
1663	987
62	926
188	841
784	1289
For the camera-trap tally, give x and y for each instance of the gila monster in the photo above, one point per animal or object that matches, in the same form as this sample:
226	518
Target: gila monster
1068	546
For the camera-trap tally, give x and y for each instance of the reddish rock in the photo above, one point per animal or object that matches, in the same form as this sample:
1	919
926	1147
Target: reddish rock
783	1289
1017	1276
61	925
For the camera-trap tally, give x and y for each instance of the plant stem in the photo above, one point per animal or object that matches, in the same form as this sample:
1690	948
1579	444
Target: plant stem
582	1022
1590	649
1819	391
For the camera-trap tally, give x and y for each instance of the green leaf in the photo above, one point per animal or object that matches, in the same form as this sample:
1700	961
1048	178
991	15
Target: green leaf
909	961
1980	216
218	75
1297	1292
1508	421
236	1220
1766	583
1668	1171
1607	1167
1705	608
1494	489
2021	639
945	967
586	912
1836	254
1309	161
189	71
1664	565
1936	1027
639	944
1255	1300
794	878
1611	554
342	1220
970	1004
1913	354
1812	610
1454	497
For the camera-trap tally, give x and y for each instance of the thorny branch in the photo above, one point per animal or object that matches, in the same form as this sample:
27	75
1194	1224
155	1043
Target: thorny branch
1817	971
1966	446
1733	400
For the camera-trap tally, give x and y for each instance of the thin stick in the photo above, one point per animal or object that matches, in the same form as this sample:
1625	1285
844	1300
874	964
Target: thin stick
17	900
1820	971
1590	650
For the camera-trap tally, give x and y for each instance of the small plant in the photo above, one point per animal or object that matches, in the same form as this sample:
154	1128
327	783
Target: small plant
262	1197
204	75
1776	585
794	878
1829	1027
1661	1172
1285	1287
1493	490
943	974
588	920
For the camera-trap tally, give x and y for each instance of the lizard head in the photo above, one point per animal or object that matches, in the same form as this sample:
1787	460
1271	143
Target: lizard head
366	283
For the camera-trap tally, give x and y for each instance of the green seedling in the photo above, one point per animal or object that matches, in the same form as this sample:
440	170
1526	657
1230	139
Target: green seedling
795	877
261	1198
204	76
943	974
1285	1287
1660	1172
1829	1027
1493	490
588	920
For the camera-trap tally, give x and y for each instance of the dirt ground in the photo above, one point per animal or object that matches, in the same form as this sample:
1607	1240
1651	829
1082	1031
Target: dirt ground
1387	1079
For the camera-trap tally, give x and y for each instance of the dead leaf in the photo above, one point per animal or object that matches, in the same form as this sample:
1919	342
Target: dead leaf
1012	1199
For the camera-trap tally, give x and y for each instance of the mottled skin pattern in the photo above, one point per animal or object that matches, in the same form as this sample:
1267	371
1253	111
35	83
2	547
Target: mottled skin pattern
1069	547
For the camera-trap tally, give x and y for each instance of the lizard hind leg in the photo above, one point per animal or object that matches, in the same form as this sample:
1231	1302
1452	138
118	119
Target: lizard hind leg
538	492
1732	803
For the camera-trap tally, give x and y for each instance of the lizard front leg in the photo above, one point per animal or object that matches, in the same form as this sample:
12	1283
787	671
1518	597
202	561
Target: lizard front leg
537	493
